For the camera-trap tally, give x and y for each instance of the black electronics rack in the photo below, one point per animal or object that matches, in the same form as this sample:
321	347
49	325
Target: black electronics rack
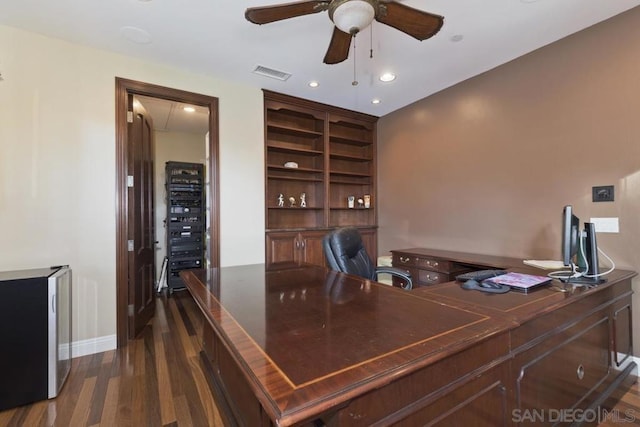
185	219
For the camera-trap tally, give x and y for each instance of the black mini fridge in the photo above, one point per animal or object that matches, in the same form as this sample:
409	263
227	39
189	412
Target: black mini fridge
35	332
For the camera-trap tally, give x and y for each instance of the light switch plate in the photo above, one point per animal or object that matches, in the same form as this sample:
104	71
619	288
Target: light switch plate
606	225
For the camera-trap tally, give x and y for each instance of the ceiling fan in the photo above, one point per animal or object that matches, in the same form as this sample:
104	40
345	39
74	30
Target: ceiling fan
350	17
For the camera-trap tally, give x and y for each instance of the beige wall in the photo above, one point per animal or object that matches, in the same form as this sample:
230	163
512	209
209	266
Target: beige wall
57	165
487	165
174	147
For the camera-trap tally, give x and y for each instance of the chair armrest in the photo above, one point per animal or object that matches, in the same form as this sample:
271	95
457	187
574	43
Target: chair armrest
398	273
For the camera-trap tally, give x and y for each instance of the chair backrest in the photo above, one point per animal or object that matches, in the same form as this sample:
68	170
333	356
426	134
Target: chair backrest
344	251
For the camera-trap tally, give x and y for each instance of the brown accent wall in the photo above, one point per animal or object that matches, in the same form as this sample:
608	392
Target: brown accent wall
487	165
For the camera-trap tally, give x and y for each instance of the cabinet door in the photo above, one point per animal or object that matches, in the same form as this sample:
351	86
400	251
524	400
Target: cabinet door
311	250
282	247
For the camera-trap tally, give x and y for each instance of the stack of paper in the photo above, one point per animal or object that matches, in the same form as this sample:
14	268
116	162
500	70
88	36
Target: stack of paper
545	264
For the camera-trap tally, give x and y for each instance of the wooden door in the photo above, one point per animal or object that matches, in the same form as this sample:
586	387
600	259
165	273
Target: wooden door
141	222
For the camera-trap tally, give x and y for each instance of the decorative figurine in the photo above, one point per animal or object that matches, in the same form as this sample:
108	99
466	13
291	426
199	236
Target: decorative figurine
367	200
280	200
292	202
350	201
360	203
303	200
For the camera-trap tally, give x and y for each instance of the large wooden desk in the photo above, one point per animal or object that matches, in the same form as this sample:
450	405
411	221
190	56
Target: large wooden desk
302	344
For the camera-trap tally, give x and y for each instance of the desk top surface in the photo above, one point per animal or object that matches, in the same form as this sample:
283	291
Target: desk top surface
310	337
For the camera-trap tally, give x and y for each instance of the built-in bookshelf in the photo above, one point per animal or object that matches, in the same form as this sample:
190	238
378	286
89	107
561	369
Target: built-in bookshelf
320	174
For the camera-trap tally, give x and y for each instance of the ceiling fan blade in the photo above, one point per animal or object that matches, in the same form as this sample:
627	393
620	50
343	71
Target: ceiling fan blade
414	22
338	47
267	14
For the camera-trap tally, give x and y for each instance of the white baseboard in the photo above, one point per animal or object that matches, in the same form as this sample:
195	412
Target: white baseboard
93	345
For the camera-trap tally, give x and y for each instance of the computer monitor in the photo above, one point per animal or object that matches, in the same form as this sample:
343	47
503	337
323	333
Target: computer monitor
580	249
570	233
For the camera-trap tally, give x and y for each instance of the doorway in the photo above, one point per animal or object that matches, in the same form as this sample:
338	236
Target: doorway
125	90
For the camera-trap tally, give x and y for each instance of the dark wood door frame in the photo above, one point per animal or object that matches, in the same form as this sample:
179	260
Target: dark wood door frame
124	88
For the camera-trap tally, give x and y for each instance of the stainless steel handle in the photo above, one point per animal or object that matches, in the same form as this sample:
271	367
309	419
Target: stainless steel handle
580	372
403	259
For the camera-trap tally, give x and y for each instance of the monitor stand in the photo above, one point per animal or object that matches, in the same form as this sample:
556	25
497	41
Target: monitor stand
591	252
585	280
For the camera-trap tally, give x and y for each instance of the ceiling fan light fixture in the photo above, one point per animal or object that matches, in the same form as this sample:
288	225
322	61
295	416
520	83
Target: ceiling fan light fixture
352	16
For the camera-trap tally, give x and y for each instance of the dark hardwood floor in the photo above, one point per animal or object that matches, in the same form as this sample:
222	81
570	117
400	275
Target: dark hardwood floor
158	381
626	412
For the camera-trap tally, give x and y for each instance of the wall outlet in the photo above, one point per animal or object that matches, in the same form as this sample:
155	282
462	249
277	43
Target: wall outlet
602	193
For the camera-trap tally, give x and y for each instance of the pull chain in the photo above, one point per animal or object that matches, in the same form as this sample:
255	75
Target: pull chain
371	41
354	82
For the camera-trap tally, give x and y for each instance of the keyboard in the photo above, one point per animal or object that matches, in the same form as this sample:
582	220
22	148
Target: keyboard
479	276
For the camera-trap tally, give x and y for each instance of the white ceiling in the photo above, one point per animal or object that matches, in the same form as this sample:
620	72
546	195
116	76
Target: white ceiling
170	116
212	37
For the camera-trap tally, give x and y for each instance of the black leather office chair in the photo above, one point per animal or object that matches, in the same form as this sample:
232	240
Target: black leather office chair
345	252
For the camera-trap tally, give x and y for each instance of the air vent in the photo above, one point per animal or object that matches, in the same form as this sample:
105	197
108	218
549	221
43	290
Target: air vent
269	72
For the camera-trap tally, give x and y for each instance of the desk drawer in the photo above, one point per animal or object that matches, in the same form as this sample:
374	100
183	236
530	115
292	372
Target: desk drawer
424	277
406	260
564	369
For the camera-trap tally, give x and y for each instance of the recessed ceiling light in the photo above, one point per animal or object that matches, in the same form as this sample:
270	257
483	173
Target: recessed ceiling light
189	109
456	38
387	77
314	84
375	101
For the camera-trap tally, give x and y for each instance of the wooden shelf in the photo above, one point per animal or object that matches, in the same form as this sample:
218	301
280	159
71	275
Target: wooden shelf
293	178
350	157
284	149
296	208
304	170
347	173
287	130
347	140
